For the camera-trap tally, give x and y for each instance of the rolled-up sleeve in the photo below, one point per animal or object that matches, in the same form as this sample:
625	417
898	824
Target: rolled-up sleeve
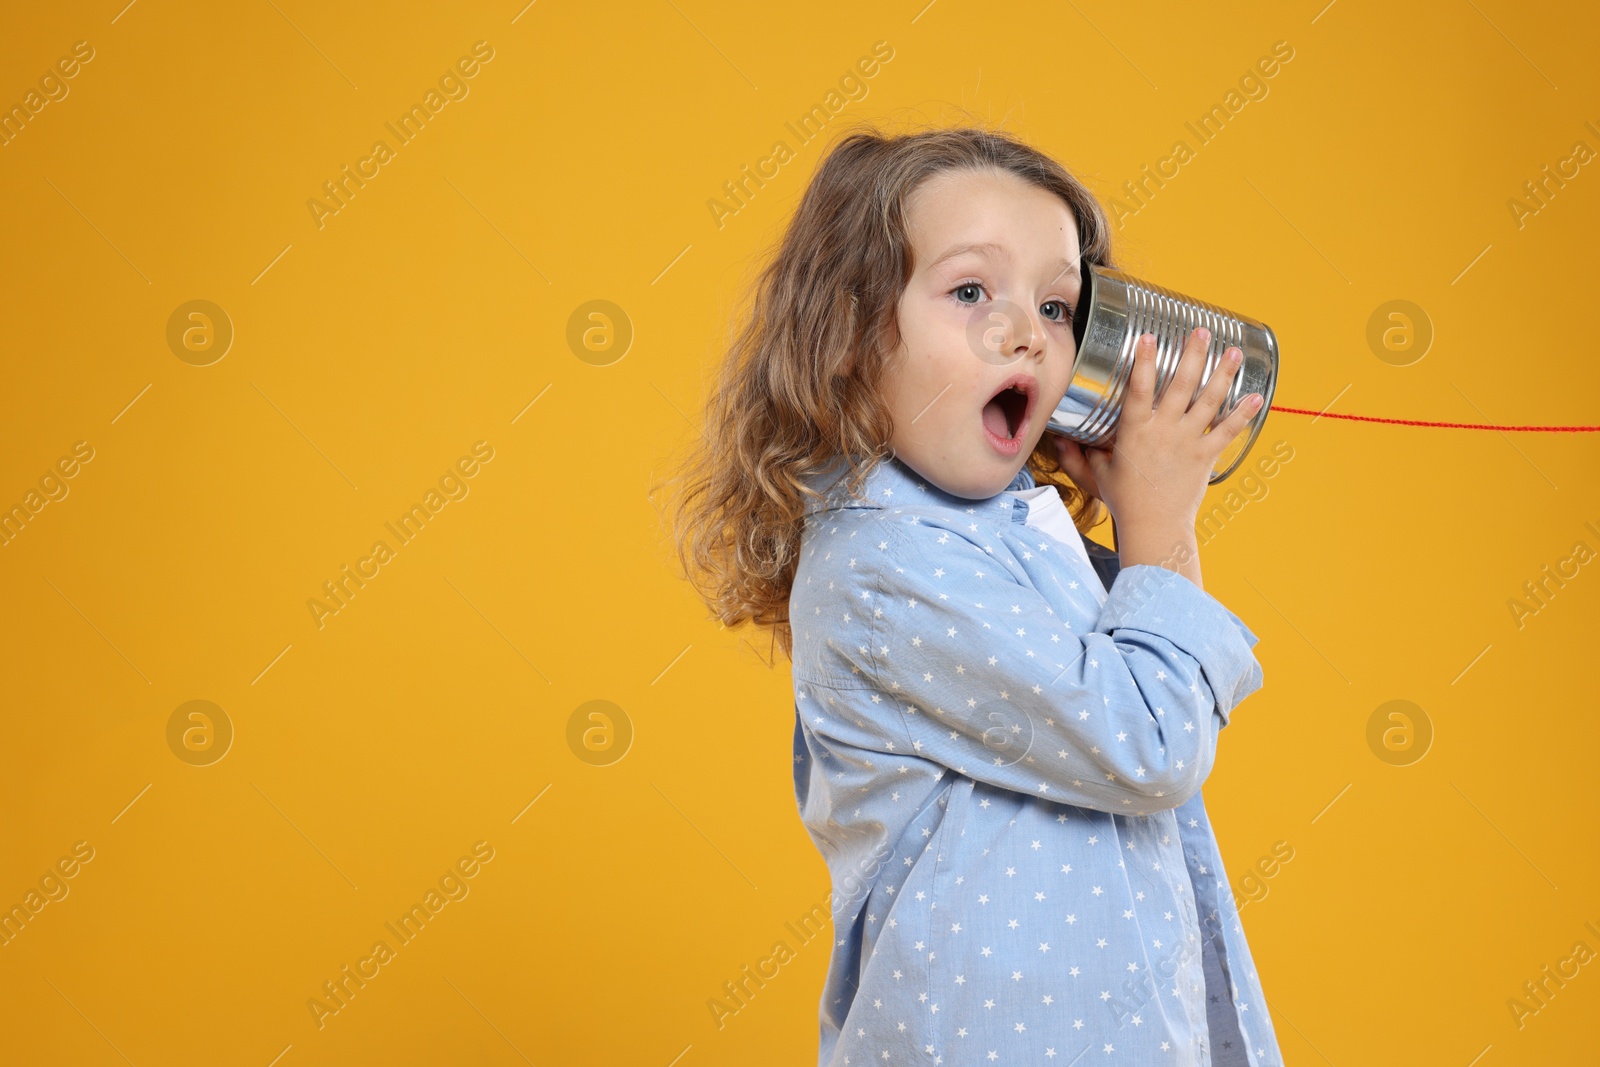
1147	601
1250	639
970	667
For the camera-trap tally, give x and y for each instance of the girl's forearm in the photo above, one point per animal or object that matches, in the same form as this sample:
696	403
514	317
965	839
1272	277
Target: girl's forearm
1172	547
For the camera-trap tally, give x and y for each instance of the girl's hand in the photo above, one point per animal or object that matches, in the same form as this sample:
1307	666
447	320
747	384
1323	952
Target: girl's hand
1155	477
1074	460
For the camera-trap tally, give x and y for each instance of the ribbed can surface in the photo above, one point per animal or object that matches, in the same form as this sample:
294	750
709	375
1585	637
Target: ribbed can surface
1116	309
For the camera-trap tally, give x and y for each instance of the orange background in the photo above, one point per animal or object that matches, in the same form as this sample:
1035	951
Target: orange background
436	709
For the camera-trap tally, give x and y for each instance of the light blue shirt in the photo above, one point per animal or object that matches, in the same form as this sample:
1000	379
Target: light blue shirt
1001	763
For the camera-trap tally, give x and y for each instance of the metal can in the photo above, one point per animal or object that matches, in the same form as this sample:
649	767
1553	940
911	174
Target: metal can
1114	310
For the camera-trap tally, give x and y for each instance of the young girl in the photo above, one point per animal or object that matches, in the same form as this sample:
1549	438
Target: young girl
1000	759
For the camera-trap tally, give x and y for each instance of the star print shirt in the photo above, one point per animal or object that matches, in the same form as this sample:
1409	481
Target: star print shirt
1001	762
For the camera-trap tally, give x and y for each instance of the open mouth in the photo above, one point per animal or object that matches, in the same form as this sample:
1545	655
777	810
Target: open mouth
1007	411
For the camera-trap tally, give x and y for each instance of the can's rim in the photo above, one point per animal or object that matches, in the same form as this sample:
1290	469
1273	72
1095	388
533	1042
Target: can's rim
1087	280
1266	406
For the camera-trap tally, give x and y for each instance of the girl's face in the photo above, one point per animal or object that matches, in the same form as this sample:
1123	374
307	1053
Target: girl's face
974	320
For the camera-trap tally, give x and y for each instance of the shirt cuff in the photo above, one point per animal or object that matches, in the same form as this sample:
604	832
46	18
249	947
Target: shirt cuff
1163	602
1250	639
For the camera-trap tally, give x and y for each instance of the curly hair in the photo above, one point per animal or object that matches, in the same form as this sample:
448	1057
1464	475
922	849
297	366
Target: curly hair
799	386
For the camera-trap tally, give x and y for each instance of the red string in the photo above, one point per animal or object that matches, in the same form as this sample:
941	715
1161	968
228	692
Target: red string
1456	425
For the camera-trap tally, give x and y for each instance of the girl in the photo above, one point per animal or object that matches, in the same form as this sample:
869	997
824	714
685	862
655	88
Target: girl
1000	759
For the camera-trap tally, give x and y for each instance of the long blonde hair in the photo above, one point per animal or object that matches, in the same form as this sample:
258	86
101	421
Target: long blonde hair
799	387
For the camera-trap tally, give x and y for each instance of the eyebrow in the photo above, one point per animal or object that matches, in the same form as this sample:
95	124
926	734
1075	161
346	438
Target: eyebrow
998	252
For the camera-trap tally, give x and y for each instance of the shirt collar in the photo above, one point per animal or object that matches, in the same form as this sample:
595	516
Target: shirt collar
892	484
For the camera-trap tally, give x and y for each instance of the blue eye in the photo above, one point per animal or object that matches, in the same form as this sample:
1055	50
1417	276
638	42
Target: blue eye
1065	314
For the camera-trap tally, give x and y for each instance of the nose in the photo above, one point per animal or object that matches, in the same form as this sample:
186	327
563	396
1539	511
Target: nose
1006	333
1025	333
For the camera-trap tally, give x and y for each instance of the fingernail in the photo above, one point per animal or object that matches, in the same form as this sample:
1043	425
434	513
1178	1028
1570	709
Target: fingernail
1234	355
1255	400
1204	334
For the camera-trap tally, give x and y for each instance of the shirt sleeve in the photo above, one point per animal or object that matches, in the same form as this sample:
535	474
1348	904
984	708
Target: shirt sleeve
982	676
1250	639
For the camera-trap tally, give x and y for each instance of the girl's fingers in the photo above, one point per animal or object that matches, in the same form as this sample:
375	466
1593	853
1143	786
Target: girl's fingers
1067	453
1077	462
1215	393
1142	380
1237	421
1098	459
1180	391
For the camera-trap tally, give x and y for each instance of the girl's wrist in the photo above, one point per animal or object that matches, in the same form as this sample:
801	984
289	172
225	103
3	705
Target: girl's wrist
1171	546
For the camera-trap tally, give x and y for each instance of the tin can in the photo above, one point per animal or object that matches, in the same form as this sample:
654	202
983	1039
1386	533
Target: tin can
1114	310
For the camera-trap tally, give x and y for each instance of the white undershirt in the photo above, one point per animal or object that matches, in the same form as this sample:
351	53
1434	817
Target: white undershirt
1048	513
